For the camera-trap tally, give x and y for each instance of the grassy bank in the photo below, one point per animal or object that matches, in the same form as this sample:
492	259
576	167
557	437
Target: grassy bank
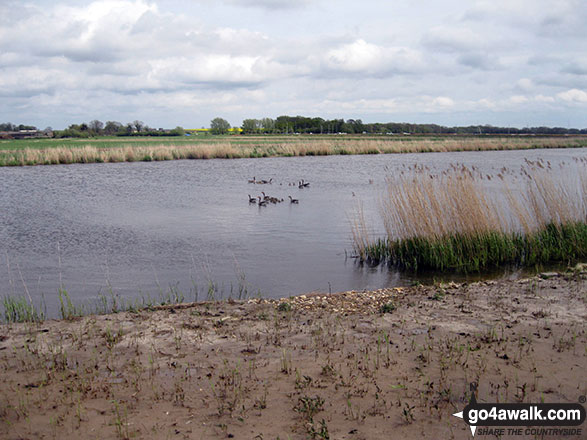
476	252
100	150
453	222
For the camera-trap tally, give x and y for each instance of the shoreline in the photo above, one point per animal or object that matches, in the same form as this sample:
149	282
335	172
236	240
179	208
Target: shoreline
101	151
349	365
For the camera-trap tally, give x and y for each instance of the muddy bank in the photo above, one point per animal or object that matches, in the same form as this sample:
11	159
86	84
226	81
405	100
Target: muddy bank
393	363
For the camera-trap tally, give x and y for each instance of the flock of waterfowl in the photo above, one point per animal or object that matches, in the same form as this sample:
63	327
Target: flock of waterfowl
265	199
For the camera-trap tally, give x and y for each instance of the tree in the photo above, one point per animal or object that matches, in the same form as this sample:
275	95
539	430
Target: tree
177	131
268	125
96	126
138	125
112	127
7	126
219	126
251	126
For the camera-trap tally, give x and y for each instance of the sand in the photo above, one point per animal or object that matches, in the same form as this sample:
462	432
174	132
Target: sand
384	364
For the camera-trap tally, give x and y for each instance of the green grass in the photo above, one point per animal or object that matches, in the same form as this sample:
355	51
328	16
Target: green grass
482	251
21	309
18	308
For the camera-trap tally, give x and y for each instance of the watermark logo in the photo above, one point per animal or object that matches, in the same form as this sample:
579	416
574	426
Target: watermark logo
498	416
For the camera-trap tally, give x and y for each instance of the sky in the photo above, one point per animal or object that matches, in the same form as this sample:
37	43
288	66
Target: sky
170	63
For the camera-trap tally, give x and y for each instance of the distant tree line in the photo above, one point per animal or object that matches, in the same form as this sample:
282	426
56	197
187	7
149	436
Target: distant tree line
289	125
113	128
303	124
7	126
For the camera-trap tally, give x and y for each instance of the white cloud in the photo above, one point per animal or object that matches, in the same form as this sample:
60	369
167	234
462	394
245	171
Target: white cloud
518	99
355	57
542	98
269	4
170	60
484	104
573	95
371	59
443	102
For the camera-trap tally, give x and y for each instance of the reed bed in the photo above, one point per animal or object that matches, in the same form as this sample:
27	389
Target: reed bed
99	151
463	220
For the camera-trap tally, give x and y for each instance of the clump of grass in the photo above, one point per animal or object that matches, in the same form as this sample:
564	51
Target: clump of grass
284	306
67	309
309	406
452	223
388	307
21	309
476	252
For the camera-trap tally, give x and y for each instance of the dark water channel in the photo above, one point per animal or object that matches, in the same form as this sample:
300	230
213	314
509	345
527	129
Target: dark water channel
137	229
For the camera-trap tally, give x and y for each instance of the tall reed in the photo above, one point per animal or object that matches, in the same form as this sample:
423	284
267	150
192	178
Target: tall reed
108	150
452	221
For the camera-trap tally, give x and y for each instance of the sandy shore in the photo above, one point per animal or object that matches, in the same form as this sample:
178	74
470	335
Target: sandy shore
392	363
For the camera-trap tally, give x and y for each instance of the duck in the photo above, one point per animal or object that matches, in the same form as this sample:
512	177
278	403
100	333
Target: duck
292	200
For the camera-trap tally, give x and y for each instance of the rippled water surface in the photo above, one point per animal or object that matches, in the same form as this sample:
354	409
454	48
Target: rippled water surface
140	228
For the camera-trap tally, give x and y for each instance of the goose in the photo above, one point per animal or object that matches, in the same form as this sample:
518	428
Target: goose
292	200
253	180
303	184
252	199
262	202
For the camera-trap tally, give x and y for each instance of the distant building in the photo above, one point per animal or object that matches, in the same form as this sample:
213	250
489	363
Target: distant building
22	134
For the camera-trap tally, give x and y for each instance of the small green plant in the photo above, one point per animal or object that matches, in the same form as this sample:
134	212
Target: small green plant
387	307
309	406
111	338
302	381
67	309
408	413
285	362
284	307
21	309
120	420
321	432
438	295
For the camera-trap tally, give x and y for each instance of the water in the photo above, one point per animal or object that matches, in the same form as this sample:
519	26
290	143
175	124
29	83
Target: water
137	229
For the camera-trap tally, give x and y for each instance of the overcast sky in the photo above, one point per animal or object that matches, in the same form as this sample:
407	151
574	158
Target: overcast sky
167	63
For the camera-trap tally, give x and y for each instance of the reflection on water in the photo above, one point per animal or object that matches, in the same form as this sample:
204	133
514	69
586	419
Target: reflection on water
139	228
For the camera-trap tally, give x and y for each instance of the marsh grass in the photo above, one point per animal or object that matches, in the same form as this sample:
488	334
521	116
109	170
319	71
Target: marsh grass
22	309
59	151
453	222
